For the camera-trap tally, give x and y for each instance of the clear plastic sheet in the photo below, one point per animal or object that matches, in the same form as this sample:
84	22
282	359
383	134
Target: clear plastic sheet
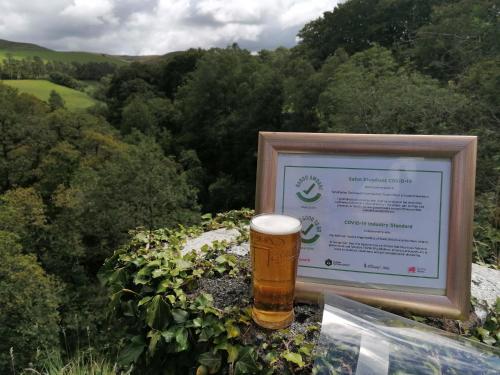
359	339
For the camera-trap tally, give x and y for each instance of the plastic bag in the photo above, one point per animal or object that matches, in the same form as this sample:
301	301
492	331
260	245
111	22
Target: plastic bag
359	339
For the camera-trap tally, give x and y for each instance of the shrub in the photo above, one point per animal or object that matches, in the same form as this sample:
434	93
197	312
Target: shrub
64	80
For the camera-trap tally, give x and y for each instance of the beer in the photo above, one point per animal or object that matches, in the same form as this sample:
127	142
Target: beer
274	247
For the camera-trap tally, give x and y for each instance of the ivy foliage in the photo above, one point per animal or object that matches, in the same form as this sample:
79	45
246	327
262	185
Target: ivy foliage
174	327
489	332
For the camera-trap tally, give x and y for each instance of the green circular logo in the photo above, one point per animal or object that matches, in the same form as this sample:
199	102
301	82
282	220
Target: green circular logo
309	189
311	230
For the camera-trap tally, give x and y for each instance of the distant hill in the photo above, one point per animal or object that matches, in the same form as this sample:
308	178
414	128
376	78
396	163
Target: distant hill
22	50
140	58
14	46
41	89
149	59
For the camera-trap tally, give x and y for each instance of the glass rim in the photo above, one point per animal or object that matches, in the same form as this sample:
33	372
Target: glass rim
295	224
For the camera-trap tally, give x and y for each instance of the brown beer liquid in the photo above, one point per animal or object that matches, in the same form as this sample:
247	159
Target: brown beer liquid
274	265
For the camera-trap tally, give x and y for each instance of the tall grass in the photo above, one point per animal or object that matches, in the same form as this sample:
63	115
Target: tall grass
84	360
82	363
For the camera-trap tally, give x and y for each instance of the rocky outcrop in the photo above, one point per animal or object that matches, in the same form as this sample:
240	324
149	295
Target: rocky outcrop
485	286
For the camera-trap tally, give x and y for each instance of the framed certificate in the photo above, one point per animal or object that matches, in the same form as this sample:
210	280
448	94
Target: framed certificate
386	219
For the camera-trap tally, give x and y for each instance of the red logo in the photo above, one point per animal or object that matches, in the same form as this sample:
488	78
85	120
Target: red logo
412	269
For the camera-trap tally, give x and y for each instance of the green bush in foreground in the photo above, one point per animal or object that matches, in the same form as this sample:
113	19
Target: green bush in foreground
28	314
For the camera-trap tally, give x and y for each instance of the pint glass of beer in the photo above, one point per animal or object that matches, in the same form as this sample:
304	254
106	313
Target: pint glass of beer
274	248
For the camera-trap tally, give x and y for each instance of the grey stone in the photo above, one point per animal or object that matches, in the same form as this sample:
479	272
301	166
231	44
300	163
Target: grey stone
242	249
208	237
485	287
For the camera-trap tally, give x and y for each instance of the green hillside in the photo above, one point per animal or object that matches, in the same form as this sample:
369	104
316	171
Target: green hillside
41	89
23	50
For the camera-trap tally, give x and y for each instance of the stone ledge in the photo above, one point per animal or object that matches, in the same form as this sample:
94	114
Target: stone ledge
485	286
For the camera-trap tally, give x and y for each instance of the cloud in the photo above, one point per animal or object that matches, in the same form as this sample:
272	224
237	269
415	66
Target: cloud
90	12
156	26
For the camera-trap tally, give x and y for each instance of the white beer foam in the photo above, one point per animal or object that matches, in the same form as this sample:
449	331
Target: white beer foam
275	224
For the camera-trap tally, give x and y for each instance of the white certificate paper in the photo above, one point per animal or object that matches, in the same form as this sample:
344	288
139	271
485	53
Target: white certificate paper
370	220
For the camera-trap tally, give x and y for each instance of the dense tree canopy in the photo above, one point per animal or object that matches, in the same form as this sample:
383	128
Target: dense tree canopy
225	102
355	25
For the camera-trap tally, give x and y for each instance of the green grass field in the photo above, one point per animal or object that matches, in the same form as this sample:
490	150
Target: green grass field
74	100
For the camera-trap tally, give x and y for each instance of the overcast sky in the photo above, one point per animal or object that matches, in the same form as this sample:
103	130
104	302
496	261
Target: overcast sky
139	27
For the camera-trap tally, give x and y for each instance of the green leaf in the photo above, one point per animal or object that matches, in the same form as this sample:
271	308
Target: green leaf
271	357
132	351
206	217
203	300
232	330
163	286
143	276
181	337
155	337
144	300
169	334
306	349
180	316
197	322
157	313
211	360
221	259
483	332
220	269
183	264
246	363
160	272
232	353
294	358
298	339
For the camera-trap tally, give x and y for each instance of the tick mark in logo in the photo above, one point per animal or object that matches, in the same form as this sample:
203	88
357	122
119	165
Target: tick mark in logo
309	190
310	187
312	228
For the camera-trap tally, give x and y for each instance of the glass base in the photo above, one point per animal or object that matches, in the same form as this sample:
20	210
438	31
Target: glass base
272	319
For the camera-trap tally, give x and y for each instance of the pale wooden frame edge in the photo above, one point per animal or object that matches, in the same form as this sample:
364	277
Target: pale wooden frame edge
462	152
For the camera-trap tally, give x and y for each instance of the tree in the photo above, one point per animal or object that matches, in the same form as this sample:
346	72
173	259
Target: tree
21	137
22	212
356	25
460	34
481	81
371	93
55	100
136	188
29	300
38	66
137	115
133	79
175	70
225	102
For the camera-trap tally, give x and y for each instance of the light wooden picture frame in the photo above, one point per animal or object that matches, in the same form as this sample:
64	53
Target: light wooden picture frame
459	152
